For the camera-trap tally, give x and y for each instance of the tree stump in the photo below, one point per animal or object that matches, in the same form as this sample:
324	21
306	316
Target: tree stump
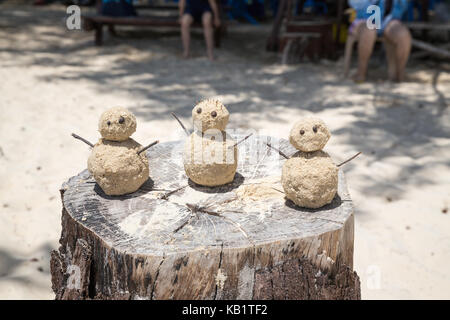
173	239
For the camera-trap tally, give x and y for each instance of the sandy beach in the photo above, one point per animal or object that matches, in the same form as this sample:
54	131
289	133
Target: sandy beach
54	82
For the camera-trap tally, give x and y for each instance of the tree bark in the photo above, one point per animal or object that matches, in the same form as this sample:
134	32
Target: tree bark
173	239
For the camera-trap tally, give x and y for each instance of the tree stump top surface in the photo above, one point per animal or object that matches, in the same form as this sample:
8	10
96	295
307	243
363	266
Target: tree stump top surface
250	211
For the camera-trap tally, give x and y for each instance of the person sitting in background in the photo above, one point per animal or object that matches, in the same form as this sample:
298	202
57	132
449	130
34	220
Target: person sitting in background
397	38
204	11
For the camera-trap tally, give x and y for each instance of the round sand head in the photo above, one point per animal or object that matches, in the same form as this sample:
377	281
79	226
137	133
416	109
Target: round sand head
309	134
310	180
210	114
117	124
116	166
210	160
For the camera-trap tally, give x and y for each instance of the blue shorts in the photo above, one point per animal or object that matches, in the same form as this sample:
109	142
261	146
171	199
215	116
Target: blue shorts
118	8
196	8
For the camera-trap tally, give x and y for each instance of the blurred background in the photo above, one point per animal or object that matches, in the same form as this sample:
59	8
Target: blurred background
278	60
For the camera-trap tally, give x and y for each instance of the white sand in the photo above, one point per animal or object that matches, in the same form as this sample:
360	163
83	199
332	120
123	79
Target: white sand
55	82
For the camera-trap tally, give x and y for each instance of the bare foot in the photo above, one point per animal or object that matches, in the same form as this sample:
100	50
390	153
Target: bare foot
396	78
400	78
211	56
357	78
186	55
393	79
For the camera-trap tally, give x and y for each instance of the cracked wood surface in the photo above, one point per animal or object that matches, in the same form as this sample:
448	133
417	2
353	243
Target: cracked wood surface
173	239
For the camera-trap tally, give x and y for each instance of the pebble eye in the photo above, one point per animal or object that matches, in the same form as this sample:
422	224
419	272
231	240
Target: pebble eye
121	120
199	110
108	123
315	129
213	114
302	132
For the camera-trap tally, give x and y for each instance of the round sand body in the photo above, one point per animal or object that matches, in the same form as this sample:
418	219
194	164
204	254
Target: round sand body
309	134
117	167
117	124
210	114
210	160
310	180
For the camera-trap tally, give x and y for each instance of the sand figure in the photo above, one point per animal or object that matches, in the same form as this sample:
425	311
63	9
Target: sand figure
210	154
117	162
310	177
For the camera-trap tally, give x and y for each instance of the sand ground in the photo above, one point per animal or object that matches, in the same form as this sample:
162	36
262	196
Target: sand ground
54	82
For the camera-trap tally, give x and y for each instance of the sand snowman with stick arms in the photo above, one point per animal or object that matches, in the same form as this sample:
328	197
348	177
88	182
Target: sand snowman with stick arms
117	162
210	154
310	178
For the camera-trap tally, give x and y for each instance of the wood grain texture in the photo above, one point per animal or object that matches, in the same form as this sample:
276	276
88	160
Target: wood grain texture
229	242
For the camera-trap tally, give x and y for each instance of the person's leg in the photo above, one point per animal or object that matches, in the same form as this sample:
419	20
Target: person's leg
348	53
366	41
391	60
352	37
186	21
399	36
209	33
